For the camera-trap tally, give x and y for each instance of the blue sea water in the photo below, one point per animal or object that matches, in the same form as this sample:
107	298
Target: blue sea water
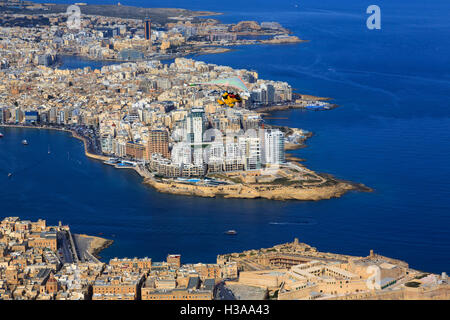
391	133
76	62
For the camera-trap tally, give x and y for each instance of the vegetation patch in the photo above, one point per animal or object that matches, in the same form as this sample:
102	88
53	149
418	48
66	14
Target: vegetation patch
413	284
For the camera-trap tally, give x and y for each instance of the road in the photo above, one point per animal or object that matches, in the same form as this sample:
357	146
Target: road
82	245
223	293
64	248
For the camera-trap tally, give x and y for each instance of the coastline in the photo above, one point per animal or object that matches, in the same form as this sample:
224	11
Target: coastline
95	244
283	41
160	15
328	188
398	183
289	106
112	61
74	135
262	191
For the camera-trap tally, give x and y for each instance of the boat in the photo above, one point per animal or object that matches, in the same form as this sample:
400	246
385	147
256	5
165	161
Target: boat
316	107
9	175
112	161
231	232
1	135
24	142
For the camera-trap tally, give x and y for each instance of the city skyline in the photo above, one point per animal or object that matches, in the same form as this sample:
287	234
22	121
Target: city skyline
211	136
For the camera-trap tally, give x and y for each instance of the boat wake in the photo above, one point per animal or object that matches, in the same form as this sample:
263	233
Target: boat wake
306	222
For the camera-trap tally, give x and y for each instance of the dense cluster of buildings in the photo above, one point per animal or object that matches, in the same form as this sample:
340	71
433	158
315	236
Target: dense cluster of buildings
142	111
115	38
33	266
297	271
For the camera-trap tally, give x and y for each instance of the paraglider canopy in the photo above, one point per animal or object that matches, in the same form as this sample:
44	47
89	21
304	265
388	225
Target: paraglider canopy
229	99
234	82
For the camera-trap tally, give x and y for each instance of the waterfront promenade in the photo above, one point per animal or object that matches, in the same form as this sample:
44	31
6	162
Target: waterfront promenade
74	133
317	189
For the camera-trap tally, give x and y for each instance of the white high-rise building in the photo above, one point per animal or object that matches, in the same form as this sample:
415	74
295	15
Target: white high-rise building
195	123
233	151
251	149
215	152
273	147
181	153
197	155
107	143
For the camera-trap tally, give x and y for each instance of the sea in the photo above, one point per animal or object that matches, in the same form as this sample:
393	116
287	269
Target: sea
390	132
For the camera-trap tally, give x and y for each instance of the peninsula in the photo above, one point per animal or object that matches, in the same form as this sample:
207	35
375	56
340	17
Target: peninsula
127	33
187	127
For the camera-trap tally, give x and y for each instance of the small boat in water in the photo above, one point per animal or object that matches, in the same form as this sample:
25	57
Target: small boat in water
24	142
231	232
9	175
1	135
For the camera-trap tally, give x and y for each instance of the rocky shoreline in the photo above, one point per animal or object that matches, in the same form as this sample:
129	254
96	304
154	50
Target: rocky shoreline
332	188
106	244
328	189
96	244
291	39
287	107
